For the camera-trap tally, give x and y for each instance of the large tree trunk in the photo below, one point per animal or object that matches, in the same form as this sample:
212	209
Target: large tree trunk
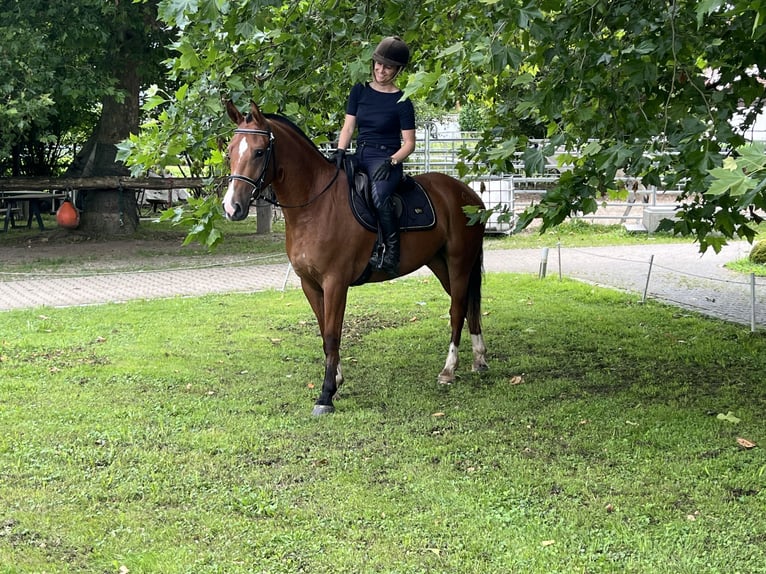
110	211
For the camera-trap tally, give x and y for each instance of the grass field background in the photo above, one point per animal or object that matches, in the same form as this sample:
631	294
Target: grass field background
175	436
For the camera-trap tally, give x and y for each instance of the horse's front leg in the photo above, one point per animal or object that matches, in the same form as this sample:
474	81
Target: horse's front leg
315	297
334	307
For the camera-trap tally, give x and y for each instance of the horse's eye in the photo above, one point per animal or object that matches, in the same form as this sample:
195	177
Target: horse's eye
258	153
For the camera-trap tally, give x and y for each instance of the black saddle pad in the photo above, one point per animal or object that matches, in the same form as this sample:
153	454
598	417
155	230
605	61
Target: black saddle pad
412	204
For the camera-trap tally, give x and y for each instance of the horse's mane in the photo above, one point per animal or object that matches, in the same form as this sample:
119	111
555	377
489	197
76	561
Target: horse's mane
289	123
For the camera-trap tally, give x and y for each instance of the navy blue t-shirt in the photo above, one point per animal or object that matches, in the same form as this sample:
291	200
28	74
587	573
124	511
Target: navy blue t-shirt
380	117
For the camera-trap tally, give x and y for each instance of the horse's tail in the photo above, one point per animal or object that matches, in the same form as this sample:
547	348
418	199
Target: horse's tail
473	312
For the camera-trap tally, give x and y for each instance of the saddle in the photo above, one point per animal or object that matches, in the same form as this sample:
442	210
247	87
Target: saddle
410	200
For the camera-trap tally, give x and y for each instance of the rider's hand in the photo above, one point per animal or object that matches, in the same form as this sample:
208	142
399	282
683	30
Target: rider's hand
383	171
337	156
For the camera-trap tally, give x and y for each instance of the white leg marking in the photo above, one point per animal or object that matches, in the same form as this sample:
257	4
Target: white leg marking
479	353
447	375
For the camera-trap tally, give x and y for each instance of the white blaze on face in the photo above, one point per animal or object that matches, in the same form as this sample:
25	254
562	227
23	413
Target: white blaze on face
228	204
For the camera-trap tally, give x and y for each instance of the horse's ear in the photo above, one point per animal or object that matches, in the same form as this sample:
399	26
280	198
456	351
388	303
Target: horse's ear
234	113
255	111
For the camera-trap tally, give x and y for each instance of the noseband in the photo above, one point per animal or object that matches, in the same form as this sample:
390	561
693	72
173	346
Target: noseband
257	184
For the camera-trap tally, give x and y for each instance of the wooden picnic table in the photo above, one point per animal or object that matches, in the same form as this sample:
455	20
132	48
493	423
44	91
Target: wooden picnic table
9	201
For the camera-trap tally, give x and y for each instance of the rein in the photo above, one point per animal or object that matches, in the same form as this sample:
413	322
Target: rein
258	184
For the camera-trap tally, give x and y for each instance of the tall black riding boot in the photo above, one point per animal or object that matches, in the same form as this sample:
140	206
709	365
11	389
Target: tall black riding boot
389	227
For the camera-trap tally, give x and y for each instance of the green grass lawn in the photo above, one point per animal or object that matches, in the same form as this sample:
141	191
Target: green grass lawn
175	436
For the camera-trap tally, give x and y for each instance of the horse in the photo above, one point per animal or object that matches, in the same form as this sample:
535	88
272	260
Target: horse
271	158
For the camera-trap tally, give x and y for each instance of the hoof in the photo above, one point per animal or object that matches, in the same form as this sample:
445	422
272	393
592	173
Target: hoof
480	367
445	379
320	410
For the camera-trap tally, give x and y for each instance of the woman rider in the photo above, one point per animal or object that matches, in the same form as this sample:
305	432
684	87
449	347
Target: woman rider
385	127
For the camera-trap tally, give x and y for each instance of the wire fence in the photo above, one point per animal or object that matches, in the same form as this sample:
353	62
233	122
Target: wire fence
671	274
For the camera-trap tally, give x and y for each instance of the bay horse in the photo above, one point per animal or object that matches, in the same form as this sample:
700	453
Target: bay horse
329	250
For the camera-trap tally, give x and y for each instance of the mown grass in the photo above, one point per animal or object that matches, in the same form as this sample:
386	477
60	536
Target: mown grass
746	267
175	436
578	233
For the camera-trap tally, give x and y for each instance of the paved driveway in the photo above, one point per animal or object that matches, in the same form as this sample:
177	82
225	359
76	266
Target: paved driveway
678	275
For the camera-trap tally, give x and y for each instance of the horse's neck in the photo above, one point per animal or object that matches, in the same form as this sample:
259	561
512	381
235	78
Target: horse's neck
306	178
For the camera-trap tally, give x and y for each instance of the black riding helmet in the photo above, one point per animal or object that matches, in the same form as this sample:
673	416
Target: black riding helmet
392	51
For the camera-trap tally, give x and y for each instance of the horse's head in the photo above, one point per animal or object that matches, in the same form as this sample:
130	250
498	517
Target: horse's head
251	160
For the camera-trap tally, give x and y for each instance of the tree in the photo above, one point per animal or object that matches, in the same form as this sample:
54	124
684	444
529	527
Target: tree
43	101
82	67
649	88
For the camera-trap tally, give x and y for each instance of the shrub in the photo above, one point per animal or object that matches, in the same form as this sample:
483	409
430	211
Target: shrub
758	253
472	117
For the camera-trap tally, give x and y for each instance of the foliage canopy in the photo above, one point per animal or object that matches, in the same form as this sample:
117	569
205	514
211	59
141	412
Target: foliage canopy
664	91
57	64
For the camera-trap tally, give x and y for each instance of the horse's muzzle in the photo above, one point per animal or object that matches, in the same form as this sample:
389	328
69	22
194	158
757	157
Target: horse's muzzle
234	211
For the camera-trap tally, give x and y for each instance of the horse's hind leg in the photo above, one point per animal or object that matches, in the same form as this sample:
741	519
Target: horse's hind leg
457	292
474	317
465	293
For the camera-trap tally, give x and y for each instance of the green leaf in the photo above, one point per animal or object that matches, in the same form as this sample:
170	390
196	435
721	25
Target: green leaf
705	7
453	49
752	158
728	417
181	92
734	182
523	79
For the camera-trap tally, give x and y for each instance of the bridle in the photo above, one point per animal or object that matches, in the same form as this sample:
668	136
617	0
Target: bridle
259	183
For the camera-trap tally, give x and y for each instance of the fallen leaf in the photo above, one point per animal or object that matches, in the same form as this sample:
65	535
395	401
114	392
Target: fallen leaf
609	508
413	319
100	340
438	414
517	380
548	543
728	417
310	385
744	443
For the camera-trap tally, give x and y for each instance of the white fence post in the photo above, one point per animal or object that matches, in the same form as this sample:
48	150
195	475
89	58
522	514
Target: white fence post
752	302
544	263
648	275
